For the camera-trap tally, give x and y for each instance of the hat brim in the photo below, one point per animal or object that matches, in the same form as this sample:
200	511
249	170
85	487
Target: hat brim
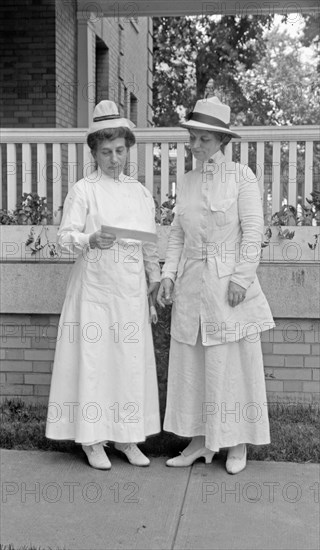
109	124
209	128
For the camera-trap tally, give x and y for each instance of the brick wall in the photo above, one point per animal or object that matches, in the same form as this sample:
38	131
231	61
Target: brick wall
27	63
27	353
66	63
129	64
107	31
136	65
38	63
291	358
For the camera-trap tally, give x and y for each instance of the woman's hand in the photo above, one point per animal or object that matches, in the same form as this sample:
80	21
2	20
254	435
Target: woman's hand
236	294
101	240
165	292
153	291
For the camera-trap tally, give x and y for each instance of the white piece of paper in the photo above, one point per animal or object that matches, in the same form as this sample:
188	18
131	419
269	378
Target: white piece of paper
123	233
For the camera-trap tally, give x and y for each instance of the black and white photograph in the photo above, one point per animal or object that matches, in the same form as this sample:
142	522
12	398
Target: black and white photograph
160	275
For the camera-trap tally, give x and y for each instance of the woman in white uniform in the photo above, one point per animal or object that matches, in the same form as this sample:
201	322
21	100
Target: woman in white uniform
216	387
104	383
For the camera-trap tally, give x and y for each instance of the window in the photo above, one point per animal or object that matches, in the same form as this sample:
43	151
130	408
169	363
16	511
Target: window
133	109
102	71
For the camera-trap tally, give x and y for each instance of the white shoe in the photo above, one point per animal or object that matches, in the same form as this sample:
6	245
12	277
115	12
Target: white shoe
187	460
133	454
97	457
236	459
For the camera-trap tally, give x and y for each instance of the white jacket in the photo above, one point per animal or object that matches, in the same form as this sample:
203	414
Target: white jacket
216	237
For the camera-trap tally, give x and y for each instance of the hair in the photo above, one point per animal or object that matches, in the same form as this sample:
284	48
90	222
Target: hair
223	138
111	134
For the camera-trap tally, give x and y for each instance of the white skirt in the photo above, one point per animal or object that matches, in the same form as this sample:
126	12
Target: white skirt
219	392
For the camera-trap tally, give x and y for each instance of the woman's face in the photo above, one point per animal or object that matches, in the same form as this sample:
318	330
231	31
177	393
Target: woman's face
111	156
203	144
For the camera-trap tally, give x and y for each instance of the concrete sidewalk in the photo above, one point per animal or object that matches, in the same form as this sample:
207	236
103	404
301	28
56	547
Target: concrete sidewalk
55	500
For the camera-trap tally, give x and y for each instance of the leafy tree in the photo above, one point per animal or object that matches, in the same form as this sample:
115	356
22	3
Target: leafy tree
281	88
312	34
312	30
192	54
259	72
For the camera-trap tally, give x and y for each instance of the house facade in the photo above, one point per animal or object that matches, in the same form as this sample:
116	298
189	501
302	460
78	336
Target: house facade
57	62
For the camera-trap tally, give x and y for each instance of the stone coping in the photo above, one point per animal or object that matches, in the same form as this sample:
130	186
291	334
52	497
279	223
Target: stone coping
295	250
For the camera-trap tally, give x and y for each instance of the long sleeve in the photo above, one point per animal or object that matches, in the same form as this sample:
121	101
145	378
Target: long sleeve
175	245
70	235
150	254
151	262
251	221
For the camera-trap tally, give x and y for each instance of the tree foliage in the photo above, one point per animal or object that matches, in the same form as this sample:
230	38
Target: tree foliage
312	30
281	88
194	55
258	71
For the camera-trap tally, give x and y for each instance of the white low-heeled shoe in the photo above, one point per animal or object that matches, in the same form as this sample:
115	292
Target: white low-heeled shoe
187	460
133	454
236	464
97	457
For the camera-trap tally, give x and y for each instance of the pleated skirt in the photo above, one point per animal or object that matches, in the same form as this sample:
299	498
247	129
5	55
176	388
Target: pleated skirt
218	392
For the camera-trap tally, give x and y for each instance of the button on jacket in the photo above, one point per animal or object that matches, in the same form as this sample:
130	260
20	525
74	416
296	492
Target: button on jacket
216	238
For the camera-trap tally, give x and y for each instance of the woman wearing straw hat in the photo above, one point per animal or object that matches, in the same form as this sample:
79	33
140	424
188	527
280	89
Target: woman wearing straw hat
104	384
216	387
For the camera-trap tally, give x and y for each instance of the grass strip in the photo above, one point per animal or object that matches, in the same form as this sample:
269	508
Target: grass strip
294	430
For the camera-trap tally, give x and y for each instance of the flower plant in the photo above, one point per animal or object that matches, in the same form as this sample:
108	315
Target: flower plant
31	209
165	211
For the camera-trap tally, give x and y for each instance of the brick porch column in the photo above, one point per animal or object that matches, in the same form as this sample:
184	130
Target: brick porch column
86	69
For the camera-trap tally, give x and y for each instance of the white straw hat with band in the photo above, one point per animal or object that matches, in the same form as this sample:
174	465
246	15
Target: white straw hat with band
211	115
106	115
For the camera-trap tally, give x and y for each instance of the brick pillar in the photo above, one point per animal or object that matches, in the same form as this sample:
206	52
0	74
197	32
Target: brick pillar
66	63
86	71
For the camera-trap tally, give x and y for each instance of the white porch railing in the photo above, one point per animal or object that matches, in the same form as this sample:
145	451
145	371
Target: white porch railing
49	161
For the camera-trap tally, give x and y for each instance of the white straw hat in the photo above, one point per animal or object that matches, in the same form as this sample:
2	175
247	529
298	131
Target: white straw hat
106	115
211	115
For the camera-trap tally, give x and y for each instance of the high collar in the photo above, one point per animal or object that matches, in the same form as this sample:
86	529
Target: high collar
102	176
217	158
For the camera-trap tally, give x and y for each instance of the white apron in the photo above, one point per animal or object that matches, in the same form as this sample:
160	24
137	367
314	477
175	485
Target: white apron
104	384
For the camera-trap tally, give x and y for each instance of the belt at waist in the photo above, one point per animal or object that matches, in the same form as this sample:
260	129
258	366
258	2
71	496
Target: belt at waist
203	252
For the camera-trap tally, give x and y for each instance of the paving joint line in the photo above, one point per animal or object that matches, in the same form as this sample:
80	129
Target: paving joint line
180	511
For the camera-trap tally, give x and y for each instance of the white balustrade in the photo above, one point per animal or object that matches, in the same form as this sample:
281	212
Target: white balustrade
276	158
56	181
26	174
61	156
42	169
1	177
11	175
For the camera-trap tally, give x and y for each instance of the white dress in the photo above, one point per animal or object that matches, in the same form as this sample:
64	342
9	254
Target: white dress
104	383
216	383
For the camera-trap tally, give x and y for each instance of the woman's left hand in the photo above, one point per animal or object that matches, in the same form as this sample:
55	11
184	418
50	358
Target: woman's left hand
236	294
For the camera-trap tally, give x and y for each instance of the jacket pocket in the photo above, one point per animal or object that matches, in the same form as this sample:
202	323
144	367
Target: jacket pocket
225	268
224	211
